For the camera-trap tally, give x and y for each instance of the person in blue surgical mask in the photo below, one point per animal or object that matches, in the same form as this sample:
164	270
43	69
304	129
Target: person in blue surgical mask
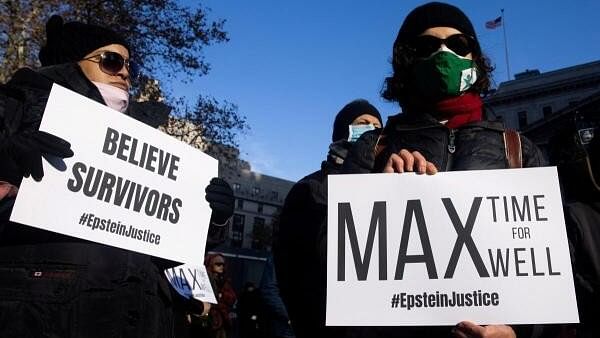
300	250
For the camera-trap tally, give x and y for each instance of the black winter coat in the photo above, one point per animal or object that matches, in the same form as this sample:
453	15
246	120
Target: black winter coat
56	284
474	146
583	227
300	257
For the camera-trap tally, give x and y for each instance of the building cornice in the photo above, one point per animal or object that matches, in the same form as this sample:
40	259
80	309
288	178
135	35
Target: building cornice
517	95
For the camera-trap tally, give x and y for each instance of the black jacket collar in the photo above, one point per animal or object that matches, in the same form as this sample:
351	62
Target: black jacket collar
403	122
68	75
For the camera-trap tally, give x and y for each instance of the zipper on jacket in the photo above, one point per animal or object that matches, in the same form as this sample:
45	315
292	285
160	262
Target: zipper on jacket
451	145
451	149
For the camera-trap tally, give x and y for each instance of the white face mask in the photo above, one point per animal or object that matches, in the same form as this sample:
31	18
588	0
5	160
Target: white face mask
115	97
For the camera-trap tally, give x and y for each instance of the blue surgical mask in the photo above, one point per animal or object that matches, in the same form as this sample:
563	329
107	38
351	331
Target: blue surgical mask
358	129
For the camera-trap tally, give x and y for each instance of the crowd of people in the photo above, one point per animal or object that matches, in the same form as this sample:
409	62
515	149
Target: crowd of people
52	285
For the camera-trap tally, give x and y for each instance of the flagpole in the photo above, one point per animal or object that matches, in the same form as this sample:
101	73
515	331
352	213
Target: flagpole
505	44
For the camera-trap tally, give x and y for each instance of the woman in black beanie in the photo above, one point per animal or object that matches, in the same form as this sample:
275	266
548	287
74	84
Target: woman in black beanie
438	76
52	285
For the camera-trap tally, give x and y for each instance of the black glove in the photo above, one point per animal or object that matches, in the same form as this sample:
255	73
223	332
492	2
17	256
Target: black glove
23	152
220	197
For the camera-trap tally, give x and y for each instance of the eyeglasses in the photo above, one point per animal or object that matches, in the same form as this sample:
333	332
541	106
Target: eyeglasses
461	44
219	264
110	62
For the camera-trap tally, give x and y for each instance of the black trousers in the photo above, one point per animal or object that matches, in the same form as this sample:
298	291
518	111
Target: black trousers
52	301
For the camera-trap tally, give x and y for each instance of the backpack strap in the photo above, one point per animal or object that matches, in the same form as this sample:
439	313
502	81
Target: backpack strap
512	146
380	144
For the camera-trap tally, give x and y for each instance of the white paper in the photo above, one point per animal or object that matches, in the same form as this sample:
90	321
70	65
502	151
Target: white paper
191	281
177	230
540	294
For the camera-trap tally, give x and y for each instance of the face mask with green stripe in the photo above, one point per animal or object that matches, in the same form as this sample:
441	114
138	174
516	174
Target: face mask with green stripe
444	74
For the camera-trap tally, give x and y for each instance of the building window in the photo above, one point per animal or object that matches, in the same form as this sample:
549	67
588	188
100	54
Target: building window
522	119
260	208
256	191
237	186
547	111
240	203
260	237
237	230
259	221
274	195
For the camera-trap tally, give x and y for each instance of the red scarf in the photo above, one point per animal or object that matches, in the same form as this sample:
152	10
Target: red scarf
460	110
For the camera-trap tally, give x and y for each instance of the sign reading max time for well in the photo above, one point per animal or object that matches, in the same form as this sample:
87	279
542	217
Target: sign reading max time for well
128	185
486	246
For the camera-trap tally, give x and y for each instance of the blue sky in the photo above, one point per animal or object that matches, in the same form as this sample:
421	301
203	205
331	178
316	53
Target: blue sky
291	65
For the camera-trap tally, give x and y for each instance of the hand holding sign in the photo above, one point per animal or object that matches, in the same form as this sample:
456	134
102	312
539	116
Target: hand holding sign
24	151
471	330
409	161
220	197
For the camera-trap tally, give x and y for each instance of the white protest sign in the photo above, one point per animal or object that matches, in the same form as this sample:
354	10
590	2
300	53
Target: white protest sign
128	185
191	281
487	246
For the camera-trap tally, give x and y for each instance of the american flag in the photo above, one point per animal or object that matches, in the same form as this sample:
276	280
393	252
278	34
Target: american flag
493	24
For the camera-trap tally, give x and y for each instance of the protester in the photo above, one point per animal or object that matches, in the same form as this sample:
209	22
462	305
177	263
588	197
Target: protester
439	74
300	258
576	152
218	323
275	321
250	312
53	285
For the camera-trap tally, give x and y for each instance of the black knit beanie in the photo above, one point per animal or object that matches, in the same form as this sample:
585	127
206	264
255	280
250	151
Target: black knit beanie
348	114
433	14
71	41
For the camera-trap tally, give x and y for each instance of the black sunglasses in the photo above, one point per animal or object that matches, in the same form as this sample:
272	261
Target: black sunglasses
110	62
219	264
461	44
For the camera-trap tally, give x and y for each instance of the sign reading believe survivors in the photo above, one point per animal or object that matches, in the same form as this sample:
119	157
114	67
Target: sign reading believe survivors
487	246
128	185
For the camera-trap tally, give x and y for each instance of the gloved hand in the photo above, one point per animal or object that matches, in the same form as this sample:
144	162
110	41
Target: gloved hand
220	197
23	151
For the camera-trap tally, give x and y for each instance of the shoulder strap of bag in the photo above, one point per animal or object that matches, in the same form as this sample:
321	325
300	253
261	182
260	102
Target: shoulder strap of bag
380	144
512	146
